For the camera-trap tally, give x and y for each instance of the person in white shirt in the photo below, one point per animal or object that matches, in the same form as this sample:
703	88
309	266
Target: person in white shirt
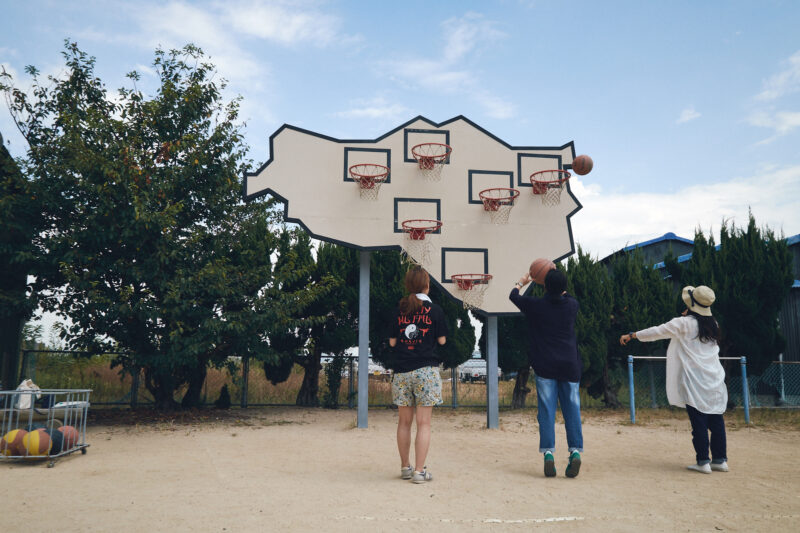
695	377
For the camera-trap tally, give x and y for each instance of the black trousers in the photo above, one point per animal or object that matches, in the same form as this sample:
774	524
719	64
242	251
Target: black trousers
702	423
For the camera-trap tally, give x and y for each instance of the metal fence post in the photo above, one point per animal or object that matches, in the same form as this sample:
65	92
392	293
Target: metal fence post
245	380
454	379
350	391
630	389
135	387
745	391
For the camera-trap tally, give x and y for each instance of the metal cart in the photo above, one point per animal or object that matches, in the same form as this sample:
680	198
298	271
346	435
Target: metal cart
51	410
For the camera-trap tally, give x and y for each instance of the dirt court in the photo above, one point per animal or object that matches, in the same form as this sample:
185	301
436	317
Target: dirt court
292	469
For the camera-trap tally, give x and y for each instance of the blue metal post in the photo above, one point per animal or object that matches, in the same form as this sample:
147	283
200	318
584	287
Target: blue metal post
630	389
363	340
492	403
745	391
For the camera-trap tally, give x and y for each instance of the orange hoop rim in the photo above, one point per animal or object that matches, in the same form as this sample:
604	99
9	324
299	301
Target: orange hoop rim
429	227
514	193
467	281
565	175
438	157
357	174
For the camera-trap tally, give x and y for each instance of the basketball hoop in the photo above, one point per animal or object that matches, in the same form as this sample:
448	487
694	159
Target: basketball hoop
498	203
549	184
471	288
417	249
369	178
431	157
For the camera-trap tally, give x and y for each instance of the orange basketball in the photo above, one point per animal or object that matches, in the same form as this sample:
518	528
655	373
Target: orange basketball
70	436
582	165
37	443
539	269
12	442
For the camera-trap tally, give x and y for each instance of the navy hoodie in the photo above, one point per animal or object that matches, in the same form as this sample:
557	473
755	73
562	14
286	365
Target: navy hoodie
553	346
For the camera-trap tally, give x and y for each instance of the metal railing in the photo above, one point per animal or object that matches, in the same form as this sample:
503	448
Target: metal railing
632	384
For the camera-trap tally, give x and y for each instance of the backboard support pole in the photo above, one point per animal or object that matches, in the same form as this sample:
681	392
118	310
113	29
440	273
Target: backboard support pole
492	403
363	339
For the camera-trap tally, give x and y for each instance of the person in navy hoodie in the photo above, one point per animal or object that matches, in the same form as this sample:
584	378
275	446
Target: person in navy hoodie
553	354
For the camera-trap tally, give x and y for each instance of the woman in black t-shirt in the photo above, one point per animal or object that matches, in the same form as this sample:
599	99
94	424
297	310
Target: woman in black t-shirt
419	325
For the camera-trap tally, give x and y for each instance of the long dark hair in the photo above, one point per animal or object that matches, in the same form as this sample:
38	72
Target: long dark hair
417	280
708	329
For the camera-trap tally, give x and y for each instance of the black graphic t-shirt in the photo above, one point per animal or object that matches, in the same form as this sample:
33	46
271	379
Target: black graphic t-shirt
416	335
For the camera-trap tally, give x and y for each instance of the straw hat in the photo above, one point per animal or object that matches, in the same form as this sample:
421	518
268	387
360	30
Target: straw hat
698	299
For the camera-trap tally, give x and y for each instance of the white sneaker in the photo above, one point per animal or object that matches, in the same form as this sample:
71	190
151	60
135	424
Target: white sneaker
422	477
720	467
407	472
703	469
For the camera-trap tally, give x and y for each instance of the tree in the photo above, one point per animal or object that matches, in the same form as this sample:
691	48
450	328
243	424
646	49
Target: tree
161	258
751	276
19	219
642	298
590	282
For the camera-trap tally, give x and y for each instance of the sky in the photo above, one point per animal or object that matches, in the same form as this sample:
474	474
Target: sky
690	110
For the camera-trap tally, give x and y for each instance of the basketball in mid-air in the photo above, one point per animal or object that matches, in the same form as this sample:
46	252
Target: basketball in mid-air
539	269
582	165
37	443
12	442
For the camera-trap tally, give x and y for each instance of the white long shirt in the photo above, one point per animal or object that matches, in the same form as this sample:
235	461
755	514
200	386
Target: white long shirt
694	374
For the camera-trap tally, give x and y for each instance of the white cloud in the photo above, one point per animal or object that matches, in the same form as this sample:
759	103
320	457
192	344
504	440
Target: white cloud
608	222
781	122
283	22
783	83
463	37
376	108
687	115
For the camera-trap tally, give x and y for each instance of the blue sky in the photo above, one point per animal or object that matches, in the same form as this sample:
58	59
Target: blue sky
690	110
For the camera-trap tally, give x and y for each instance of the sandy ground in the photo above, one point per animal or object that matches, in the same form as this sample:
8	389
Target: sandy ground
288	469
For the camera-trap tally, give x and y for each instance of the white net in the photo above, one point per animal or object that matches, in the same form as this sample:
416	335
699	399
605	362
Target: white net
431	158
369	179
498	203
418	245
471	288
548	184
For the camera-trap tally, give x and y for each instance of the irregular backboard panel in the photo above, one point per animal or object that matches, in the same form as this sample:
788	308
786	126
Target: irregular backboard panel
309	173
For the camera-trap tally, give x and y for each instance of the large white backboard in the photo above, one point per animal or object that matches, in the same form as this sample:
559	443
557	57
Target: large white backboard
309	173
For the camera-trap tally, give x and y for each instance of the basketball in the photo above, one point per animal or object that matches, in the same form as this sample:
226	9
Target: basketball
58	441
582	165
70	436
37	443
539	269
12	442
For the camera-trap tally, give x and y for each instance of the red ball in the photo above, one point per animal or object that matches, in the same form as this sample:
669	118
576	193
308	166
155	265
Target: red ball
71	436
582	165
539	269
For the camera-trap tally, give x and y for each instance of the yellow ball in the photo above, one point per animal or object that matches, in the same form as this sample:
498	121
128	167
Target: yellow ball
37	443
12	442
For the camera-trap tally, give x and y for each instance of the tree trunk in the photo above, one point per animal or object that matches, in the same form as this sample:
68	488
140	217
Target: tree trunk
521	389
309	390
197	377
609	394
10	342
163	390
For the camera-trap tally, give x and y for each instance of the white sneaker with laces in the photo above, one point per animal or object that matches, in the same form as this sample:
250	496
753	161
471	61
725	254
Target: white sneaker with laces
422	477
720	467
407	472
703	469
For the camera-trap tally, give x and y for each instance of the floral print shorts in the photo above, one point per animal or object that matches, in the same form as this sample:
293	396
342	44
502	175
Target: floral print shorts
421	387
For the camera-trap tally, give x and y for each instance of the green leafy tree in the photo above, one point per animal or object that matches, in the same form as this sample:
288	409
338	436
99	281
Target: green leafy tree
161	258
590	282
751	274
642	298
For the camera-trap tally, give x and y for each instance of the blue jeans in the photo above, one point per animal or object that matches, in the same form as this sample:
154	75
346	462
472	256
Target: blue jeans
550	392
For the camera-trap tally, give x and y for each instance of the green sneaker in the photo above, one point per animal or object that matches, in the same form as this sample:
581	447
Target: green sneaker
574	465
549	465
